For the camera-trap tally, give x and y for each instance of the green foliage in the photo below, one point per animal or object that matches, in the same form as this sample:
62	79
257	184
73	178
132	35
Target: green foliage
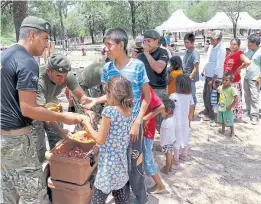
199	12
7	25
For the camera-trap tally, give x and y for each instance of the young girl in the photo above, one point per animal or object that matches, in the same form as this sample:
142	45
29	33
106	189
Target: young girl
114	138
167	135
183	114
174	71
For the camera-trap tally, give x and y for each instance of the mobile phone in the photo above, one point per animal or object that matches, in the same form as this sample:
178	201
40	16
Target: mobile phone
139	50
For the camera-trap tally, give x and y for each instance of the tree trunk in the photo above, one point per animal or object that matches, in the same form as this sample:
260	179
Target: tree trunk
19	14
235	29
249	32
61	21
91	31
54	33
133	18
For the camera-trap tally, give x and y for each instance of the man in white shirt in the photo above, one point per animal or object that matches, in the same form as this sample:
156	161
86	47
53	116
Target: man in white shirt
213	70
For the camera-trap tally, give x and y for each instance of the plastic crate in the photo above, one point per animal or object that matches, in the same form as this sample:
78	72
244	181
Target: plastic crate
67	193
71	169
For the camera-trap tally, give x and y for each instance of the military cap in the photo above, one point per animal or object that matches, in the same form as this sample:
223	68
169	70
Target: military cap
153	34
38	23
59	63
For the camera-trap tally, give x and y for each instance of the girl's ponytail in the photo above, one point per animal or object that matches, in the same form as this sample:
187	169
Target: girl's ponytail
127	103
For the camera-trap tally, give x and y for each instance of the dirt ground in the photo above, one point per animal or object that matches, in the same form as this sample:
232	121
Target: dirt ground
219	170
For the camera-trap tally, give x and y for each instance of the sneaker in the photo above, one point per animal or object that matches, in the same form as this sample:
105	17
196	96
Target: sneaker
254	121
212	123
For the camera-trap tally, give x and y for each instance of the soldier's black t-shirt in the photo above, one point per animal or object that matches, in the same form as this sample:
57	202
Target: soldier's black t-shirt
19	71
157	81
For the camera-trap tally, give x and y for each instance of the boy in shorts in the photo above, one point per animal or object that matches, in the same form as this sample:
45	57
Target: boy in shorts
227	100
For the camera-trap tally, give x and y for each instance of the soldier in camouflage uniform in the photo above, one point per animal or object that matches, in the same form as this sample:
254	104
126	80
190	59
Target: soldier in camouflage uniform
22	179
53	78
90	81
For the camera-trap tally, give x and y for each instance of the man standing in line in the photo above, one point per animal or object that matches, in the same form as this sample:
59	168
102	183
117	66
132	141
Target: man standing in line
252	81
190	64
155	60
213	70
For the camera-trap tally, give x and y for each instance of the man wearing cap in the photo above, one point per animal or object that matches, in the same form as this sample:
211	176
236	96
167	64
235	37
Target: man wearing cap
53	78
213	70
21	172
155	60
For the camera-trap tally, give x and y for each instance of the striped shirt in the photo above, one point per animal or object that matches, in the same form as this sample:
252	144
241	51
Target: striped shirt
214	97
135	72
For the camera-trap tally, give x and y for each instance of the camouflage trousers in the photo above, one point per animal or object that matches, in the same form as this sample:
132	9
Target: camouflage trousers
52	135
39	138
94	92
22	179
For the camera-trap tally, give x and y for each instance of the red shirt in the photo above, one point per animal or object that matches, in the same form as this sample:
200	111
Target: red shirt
152	123
232	63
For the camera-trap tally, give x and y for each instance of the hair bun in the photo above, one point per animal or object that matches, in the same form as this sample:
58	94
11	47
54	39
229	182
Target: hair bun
127	103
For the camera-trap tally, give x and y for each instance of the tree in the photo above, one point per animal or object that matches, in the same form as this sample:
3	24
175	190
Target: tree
134	5
94	14
146	18
19	9
61	6
233	8
199	12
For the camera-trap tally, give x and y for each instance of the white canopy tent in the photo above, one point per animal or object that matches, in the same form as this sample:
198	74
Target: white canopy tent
219	21
179	22
245	21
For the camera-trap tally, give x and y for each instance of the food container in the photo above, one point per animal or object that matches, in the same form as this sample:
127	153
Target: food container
67	193
71	169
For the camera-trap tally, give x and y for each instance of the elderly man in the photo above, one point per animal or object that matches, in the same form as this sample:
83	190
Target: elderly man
53	78
21	172
252	81
213	70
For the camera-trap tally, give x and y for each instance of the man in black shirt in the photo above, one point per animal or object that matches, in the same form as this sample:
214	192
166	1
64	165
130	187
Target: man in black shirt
155	60
21	172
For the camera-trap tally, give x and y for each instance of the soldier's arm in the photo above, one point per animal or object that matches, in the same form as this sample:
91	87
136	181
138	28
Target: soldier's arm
30	109
80	94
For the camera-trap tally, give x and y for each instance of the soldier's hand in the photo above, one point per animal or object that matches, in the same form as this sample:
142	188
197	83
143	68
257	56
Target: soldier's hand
88	106
71	118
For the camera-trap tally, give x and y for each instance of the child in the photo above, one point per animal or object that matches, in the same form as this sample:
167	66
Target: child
174	71
227	100
183	115
214	100
114	137
116	41
167	135
155	107
190	64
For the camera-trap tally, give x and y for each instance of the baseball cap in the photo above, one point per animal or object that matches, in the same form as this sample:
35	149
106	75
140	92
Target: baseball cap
153	34
216	34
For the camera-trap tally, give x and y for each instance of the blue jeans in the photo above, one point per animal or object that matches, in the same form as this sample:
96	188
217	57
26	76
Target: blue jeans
194	93
149	165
